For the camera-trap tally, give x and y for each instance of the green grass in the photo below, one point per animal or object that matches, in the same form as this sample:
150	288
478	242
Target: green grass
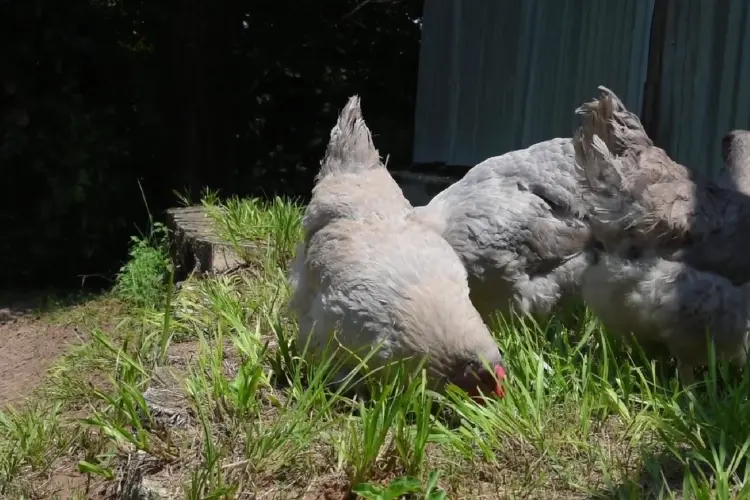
144	279
583	418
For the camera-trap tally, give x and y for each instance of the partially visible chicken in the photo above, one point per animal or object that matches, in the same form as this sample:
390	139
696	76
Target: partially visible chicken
735	151
644	284
652	205
519	222
380	280
516	222
671	303
624	135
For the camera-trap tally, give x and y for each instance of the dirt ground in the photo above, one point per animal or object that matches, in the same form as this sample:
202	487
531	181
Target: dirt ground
30	341
34	332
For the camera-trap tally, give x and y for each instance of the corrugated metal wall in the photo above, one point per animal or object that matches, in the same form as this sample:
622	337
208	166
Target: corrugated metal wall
498	75
705	81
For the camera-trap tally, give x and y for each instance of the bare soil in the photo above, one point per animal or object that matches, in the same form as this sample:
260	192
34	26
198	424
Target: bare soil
37	328
27	348
32	337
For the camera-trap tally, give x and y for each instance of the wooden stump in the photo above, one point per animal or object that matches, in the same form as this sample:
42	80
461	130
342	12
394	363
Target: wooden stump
197	246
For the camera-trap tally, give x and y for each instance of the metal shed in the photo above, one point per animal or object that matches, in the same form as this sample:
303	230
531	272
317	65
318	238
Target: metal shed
498	75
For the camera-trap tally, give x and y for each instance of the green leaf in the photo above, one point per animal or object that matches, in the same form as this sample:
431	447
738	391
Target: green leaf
369	490
437	495
89	468
432	480
401	486
434	492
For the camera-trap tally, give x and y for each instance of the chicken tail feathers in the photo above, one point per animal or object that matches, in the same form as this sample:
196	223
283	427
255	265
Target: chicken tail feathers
600	167
607	191
605	144
350	148
602	171
608	118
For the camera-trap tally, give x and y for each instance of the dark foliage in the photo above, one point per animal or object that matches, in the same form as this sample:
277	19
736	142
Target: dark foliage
96	95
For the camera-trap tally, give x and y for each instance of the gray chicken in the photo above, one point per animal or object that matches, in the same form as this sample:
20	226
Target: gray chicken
375	278
644	200
664	230
516	222
735	151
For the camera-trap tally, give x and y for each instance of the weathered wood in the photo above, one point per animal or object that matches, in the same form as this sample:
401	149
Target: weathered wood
197	246
166	399
132	482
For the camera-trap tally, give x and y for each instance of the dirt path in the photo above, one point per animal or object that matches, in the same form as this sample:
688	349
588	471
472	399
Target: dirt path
29	344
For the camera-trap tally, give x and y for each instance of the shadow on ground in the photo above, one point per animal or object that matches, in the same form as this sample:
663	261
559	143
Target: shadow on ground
662	476
35	303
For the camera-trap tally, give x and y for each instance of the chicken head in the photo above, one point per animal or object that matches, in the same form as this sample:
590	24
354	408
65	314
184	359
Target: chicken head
476	380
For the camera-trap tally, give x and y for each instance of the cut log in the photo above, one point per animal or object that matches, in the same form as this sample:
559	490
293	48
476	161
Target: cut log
197	246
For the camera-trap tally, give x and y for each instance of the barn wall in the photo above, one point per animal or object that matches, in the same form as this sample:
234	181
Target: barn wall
498	75
705	79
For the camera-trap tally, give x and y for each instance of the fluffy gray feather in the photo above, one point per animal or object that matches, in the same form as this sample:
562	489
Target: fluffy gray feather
735	151
672	303
377	278
516	222
674	268
643	200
